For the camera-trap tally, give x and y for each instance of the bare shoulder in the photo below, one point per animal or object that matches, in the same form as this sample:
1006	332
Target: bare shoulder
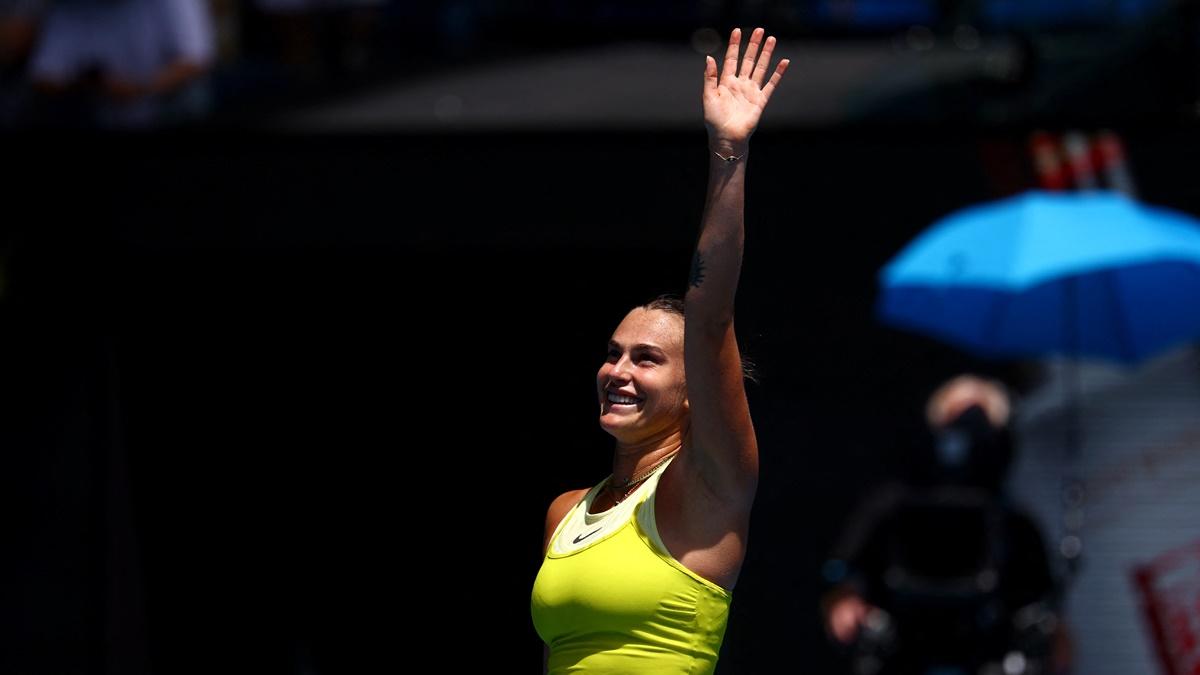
558	510
561	505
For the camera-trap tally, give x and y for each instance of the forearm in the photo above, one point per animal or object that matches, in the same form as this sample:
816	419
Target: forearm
723	448
717	262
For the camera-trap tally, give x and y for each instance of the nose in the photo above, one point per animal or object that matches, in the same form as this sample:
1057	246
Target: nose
620	370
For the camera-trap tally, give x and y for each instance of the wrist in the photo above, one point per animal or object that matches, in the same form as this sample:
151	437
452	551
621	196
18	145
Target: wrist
728	147
727	159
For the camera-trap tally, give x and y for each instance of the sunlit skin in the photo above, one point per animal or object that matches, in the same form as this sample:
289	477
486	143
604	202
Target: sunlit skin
704	497
735	97
644	361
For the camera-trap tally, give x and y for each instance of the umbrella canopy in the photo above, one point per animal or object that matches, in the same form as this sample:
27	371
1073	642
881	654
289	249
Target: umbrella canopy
1093	274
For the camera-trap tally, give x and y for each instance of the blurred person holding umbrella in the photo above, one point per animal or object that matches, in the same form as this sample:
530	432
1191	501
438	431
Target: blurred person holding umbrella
940	572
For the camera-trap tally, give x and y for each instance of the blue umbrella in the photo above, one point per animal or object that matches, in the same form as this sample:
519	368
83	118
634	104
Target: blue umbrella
1094	274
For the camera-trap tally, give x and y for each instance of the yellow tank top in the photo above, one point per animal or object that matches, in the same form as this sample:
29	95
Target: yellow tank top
609	598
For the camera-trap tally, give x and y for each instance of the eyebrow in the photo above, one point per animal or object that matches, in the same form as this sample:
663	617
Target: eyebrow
658	351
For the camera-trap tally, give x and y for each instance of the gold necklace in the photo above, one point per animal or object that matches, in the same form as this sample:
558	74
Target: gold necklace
638	480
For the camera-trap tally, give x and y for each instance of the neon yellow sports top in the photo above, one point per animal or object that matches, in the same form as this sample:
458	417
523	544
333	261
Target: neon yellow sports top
609	598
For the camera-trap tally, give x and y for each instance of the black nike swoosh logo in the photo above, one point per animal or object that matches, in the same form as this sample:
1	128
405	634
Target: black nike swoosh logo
581	538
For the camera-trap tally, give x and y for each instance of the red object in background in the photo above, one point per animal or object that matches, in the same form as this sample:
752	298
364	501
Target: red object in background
1169	590
1048	161
1108	154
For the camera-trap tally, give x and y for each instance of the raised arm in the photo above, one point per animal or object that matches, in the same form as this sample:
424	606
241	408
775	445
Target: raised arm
724	449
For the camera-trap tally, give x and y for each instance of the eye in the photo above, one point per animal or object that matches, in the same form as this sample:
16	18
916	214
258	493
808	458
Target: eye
613	354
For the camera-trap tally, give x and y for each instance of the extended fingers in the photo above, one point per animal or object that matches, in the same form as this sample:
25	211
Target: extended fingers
751	53
775	77
731	54
753	65
710	74
764	61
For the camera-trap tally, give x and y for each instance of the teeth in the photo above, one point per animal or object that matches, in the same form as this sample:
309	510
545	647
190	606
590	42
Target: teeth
618	398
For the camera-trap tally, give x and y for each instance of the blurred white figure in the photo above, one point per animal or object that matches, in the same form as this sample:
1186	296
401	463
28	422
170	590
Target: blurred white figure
126	63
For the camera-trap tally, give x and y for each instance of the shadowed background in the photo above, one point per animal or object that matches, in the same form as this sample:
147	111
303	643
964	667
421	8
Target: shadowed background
289	389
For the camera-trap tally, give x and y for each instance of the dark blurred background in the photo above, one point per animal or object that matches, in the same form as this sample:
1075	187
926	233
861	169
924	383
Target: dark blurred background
302	301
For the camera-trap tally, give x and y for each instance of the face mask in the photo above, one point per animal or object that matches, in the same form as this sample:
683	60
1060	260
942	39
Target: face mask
955	441
970	450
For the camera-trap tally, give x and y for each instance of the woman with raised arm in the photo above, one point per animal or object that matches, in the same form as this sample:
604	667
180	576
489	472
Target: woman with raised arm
638	570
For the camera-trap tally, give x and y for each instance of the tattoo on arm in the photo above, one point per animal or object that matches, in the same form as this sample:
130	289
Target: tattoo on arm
697	275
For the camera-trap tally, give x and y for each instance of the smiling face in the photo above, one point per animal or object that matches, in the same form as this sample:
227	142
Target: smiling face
641	385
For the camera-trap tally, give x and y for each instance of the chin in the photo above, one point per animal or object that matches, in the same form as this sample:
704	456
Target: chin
614	426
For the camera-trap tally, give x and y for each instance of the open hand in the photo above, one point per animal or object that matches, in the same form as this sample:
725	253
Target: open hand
734	103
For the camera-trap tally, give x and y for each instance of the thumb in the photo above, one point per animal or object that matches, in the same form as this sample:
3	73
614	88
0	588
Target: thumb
710	74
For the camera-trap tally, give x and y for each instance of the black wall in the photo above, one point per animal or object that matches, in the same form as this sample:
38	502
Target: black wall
274	398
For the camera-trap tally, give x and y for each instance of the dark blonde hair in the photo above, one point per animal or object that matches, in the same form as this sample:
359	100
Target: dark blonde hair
666	303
